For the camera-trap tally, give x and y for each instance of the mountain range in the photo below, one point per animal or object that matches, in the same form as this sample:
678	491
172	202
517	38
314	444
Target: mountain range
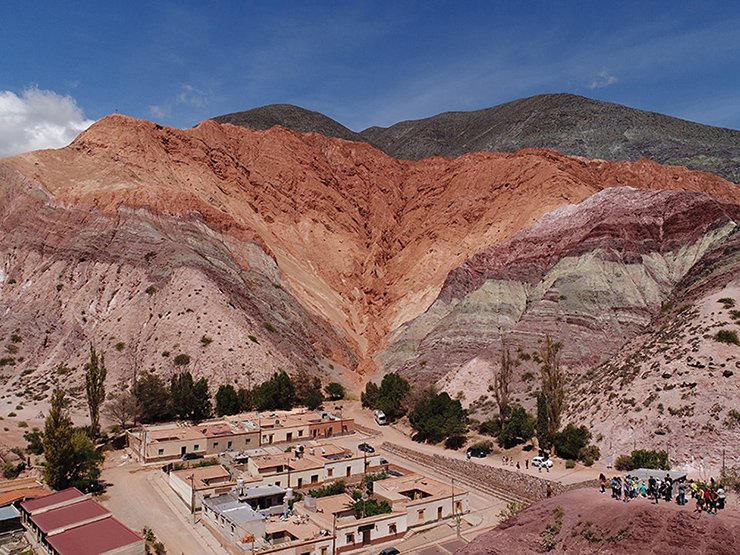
253	250
568	123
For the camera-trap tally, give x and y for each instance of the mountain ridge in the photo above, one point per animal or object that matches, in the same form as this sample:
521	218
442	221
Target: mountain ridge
571	124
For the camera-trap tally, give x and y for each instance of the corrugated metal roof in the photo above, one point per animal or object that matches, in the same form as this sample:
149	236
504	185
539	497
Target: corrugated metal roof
58	498
97	537
67	516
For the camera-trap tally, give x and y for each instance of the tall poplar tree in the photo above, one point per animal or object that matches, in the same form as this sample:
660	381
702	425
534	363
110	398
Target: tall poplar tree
95	374
58	449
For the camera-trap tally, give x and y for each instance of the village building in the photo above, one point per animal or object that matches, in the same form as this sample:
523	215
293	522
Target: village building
71	523
195	484
424	499
167	442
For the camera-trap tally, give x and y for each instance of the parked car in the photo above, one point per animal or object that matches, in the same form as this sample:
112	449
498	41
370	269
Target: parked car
389	551
476	452
367	448
539	462
191	456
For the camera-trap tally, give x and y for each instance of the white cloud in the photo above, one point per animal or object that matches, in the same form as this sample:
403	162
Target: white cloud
159	112
603	79
192	96
38	119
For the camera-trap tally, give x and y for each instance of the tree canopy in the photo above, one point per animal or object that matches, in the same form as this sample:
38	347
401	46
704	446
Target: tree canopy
190	400
227	400
153	398
388	397
276	393
95	374
436	417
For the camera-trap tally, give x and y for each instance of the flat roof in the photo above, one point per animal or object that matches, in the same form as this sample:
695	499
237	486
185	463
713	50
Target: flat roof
9	513
253	492
55	499
394	487
94	538
203	474
229	507
69	515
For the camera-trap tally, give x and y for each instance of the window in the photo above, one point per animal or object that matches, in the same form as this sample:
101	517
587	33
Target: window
315	479
228	445
215	444
392	529
160	452
439	513
350	538
330	472
458	506
323	550
289	436
421	514
196	447
300	433
300	482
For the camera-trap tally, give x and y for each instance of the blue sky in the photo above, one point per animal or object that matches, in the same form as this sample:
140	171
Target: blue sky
66	64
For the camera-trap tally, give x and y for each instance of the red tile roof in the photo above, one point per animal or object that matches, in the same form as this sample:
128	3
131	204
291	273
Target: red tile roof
55	499
97	537
70	515
23	493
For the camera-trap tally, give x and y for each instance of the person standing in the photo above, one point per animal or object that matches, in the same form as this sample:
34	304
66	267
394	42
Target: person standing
602	481
681	499
721	497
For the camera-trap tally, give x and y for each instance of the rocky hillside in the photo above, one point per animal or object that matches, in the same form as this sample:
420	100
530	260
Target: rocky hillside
584	522
250	251
570	124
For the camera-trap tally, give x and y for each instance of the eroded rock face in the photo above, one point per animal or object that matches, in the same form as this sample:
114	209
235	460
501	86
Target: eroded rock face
331	243
591	275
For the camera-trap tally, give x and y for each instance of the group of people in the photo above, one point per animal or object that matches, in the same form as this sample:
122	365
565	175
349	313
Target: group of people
710	496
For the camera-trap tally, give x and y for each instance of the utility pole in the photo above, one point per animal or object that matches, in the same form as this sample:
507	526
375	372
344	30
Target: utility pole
333	535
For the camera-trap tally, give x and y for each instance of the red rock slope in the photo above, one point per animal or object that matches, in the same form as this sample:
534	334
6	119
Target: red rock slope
364	241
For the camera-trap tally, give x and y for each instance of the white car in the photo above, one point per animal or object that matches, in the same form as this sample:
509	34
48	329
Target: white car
539	462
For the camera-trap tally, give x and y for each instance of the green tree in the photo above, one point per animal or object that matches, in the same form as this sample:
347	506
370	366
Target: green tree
35	441
393	390
570	441
642	458
314	399
86	461
502	382
190	400
276	393
58	448
544	439
95	374
519	427
227	400
437	416
152	397
552	386
335	391
369	397
369	507
304	384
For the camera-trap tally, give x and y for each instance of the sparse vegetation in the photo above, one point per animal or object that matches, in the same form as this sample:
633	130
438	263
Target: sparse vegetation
181	360
511	510
269	327
120	346
150	290
727	336
727	302
205	340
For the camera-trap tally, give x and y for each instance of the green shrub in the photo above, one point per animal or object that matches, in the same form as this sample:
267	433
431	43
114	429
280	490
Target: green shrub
727	336
726	302
570	463
205	340
182	360
490	427
455	442
120	346
150	290
269	327
624	463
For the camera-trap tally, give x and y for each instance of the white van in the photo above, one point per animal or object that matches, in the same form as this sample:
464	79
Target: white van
380	418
